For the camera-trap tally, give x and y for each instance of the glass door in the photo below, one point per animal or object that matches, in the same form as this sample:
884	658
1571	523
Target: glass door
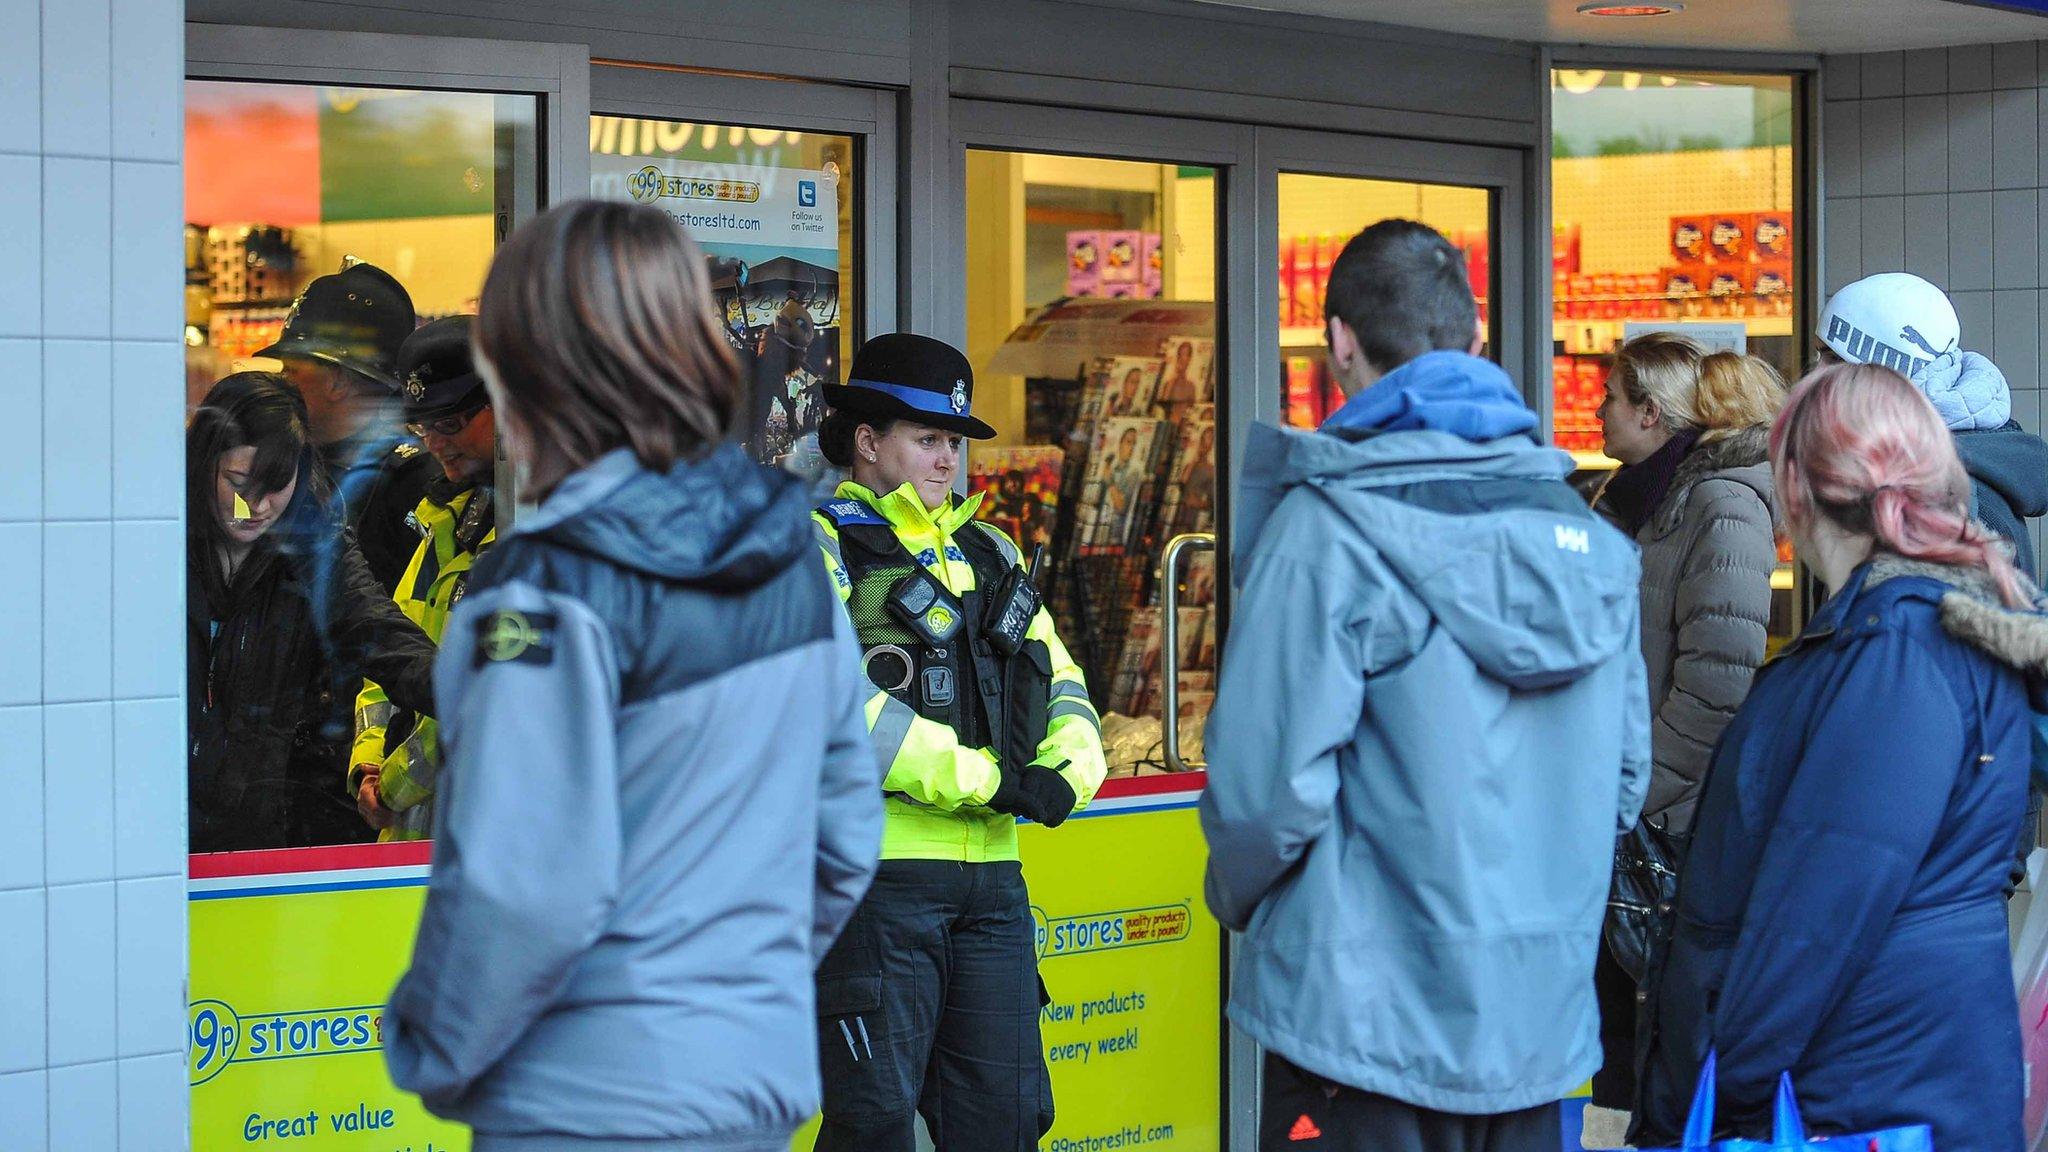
1091	312
777	184
1092	249
1324	189
1318	215
327	217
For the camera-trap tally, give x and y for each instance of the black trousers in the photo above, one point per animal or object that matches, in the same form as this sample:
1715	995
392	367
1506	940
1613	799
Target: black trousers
1302	1112
1615	1084
928	1005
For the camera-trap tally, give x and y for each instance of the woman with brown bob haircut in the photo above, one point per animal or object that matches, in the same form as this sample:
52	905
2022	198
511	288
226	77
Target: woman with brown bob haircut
661	804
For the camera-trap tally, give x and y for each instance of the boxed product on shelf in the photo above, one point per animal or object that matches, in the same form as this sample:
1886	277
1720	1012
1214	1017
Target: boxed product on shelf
1684	294
1560	296
1478	262
1084	263
1564	248
1689	239
1327	247
1303	411
1303	286
1646	297
1288	316
1122	256
1728	291
1582	297
1152	257
1772	289
1771	236
1728	237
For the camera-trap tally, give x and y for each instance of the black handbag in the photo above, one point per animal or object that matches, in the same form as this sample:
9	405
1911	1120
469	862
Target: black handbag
1641	896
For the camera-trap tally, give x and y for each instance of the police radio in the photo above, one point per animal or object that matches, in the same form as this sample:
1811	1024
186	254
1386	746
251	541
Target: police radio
1014	607
923	605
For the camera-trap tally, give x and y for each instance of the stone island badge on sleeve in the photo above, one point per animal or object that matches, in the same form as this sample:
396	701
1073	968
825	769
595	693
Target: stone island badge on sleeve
515	637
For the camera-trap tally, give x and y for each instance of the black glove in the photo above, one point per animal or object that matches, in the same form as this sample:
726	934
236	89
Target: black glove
1035	792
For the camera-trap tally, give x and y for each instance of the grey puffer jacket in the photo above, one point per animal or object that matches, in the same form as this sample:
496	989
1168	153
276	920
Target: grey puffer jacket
1708	551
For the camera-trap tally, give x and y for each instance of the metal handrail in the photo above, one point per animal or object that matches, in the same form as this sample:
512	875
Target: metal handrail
1169	641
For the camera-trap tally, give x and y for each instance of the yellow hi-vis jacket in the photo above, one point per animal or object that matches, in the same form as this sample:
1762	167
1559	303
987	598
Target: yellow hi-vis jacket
407	773
948	783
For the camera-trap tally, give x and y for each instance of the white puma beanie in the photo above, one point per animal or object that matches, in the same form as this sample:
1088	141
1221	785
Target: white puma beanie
1893	319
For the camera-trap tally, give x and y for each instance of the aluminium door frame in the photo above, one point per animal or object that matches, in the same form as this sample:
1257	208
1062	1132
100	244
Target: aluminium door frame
868	114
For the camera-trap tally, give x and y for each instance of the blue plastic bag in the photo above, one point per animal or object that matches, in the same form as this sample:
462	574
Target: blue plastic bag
1787	1131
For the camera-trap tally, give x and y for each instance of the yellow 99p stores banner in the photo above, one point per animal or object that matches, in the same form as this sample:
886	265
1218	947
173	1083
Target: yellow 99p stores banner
294	954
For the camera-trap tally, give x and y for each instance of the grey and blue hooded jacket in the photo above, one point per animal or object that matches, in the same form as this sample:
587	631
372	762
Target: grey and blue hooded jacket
1430	726
659	807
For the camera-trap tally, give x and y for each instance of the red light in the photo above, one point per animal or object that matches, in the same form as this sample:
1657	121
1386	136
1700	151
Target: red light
1598	9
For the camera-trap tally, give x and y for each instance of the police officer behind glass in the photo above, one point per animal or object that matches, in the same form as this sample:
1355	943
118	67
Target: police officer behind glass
929	1002
397	751
340	350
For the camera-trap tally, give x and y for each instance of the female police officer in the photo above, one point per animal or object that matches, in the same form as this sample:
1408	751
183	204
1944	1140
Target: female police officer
929	1001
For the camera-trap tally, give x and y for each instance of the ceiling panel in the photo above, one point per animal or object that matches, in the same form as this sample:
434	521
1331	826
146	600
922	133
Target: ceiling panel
1822	26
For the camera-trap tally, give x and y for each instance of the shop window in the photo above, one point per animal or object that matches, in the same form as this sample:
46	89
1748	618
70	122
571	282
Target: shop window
1673	207
325	224
1318	215
1091	324
775	211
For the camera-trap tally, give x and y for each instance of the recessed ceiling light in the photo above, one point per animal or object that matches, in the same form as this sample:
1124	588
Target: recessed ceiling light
1599	8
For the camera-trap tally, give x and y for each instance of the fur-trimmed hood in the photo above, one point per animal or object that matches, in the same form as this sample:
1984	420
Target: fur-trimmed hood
1973	612
1742	456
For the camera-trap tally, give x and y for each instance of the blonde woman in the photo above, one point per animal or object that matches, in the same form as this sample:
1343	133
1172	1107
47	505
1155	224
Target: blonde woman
1692	430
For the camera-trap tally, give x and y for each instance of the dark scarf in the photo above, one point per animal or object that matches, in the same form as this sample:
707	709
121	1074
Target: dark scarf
1632	497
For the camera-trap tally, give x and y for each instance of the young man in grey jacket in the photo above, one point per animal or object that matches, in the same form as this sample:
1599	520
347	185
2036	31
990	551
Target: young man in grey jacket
1430	726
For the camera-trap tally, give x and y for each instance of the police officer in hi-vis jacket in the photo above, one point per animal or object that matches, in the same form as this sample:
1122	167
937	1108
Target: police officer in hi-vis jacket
397	752
929	1001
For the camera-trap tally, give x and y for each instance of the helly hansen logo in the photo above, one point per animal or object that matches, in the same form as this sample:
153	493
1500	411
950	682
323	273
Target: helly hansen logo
1571	539
1861	347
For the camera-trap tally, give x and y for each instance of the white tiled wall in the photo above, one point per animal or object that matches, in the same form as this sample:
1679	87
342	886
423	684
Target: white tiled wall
1935	162
92	891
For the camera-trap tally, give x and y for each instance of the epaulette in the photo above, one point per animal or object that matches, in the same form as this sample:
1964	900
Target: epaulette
848	512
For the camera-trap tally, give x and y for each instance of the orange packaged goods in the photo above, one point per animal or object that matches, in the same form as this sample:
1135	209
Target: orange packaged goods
1647	301
1582	297
1327	247
1689	239
1287	316
1771	236
1303	409
1308	308
1478	263
1771	289
1683	297
1728	237
1560	296
1564	248
1728	291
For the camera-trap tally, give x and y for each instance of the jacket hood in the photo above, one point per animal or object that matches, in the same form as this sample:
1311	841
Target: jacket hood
1534	587
1742	457
2010	461
723	522
1439	392
1973	613
1968	391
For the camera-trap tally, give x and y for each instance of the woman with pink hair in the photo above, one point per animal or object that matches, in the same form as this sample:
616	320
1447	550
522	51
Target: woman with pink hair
1841	915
